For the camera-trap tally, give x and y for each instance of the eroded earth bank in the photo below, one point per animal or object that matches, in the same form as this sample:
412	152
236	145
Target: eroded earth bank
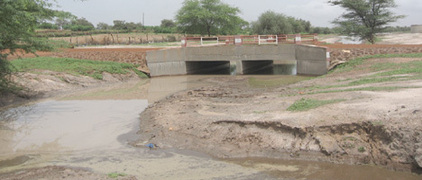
373	117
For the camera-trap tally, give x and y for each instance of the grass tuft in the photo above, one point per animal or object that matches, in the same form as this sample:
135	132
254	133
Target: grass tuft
307	104
116	175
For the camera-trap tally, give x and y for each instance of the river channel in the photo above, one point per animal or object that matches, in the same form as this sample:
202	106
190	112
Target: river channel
93	129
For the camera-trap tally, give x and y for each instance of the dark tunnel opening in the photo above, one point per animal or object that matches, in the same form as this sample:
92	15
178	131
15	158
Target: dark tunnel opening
258	67
269	67
208	67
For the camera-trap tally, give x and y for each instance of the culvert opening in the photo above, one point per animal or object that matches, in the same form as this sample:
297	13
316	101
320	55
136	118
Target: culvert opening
269	67
208	67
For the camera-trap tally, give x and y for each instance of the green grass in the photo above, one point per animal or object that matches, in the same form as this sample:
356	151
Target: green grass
158	44
59	44
387	72
350	65
358	82
116	175
74	66
381	88
275	82
307	104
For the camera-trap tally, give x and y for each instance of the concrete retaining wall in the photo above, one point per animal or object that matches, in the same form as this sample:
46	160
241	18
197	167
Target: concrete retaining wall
416	28
311	60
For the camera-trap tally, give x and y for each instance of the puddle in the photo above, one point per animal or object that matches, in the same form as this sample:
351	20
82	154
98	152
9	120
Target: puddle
14	162
92	130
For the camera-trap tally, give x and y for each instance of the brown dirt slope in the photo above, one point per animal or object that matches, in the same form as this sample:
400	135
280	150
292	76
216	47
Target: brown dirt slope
234	120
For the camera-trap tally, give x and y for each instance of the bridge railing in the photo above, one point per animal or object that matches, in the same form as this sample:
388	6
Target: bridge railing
251	39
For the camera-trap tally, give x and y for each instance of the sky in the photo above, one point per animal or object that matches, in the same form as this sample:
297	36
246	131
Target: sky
318	12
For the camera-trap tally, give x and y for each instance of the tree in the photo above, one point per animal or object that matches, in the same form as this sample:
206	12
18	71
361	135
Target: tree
365	18
80	24
64	18
209	17
47	25
167	23
277	23
18	20
103	26
119	25
122	25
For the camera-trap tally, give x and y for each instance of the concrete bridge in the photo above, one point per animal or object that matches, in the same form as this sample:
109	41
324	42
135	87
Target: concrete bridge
310	60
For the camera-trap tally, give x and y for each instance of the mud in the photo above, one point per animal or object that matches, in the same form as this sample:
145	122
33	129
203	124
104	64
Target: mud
85	135
55	172
234	120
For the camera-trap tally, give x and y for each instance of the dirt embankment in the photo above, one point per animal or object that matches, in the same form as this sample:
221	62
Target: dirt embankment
233	120
341	53
133	55
43	84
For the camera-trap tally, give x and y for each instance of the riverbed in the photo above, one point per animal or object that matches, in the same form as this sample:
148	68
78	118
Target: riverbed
93	129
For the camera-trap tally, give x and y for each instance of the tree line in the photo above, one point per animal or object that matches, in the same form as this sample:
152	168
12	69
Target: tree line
213	17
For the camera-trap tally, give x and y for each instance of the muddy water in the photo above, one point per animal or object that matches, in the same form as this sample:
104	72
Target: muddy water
92	129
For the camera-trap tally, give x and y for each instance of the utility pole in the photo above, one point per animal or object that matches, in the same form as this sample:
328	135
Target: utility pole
143	20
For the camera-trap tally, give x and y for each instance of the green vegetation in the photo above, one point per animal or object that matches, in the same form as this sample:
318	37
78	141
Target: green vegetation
350	65
377	123
365	18
116	175
307	104
382	88
275	82
74	66
5	70
361	149
59	44
277	23
383	72
18	20
209	17
260	112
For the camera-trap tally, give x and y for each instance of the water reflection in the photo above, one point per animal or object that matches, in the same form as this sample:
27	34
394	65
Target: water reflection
95	134
54	126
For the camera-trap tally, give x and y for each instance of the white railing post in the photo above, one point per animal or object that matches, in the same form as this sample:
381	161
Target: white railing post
201	42
238	40
259	39
184	42
276	39
298	39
